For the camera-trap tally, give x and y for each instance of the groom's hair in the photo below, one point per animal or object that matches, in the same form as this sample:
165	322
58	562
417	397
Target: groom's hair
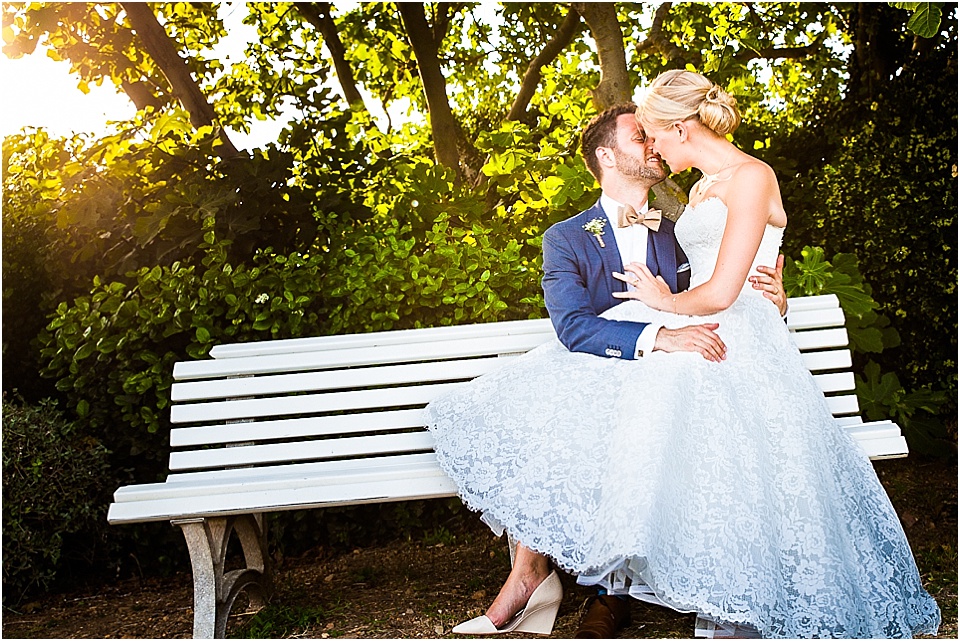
601	131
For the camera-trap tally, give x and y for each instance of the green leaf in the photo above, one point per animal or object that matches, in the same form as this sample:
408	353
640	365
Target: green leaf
925	21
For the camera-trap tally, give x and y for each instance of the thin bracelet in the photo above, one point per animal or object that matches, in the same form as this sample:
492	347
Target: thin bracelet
675	303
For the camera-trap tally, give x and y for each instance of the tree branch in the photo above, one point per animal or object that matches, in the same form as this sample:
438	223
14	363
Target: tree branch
140	94
769	53
658	40
531	79
175	69
318	14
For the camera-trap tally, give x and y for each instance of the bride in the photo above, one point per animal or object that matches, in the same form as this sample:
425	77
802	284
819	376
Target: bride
724	488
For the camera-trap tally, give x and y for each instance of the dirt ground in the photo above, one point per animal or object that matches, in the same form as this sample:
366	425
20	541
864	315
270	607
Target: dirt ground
422	588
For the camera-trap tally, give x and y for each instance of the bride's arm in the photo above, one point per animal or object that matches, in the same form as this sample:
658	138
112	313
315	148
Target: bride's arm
748	198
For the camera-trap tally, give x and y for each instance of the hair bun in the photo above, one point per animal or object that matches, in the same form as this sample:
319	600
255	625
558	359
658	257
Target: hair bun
718	111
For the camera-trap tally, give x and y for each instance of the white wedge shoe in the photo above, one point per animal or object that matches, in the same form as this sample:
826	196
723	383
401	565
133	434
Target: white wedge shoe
536	618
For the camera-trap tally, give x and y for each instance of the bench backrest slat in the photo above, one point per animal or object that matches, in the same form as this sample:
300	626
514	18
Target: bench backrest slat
815	318
334	469
796	319
296	428
302	451
821	339
393	397
285	404
383	339
360	356
332	380
843	404
835	382
833	359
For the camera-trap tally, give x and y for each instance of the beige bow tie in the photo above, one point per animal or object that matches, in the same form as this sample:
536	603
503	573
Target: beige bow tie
627	215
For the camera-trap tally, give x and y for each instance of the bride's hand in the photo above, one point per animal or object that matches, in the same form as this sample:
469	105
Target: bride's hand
649	289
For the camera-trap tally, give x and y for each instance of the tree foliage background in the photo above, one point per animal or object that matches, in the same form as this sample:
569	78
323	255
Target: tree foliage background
125	253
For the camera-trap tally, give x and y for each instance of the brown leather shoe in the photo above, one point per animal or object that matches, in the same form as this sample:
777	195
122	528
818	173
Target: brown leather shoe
606	615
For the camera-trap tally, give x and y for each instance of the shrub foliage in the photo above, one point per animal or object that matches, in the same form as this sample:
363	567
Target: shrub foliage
56	483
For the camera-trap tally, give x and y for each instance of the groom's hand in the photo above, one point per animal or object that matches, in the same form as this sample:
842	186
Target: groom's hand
694	338
770	282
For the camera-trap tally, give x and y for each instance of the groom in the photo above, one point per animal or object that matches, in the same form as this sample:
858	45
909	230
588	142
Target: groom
581	254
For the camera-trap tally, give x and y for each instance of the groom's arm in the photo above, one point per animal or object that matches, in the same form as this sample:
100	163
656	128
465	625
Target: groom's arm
568	302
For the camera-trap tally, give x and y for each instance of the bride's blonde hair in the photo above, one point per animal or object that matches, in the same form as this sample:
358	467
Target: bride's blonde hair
679	95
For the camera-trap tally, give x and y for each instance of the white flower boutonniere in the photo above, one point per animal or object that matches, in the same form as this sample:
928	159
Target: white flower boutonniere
595	227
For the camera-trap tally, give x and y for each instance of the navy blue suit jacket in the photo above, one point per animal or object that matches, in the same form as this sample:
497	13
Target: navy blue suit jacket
578	282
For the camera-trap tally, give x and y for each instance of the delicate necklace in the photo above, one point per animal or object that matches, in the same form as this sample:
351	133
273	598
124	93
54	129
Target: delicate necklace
708	180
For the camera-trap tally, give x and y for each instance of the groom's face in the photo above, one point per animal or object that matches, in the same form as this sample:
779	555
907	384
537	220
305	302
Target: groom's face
634	154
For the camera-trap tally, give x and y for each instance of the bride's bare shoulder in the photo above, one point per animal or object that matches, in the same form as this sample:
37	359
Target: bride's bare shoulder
754	169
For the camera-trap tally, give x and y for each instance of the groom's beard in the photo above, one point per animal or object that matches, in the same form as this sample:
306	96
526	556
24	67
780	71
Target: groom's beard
634	167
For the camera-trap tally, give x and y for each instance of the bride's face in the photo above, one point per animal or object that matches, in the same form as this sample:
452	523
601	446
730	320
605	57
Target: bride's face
668	143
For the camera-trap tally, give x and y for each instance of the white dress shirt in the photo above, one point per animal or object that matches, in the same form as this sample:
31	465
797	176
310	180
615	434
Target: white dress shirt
632	243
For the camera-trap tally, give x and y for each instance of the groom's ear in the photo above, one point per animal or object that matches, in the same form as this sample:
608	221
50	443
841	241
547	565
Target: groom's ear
605	157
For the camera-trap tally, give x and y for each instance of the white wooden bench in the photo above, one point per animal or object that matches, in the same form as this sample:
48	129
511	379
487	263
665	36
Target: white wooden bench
337	420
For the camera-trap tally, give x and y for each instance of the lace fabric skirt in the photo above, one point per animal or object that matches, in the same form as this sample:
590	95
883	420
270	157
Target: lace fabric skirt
722	488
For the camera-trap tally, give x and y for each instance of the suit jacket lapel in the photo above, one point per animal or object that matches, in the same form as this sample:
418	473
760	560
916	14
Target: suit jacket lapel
609	253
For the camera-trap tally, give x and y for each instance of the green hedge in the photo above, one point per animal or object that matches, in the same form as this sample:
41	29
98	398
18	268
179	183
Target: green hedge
56	487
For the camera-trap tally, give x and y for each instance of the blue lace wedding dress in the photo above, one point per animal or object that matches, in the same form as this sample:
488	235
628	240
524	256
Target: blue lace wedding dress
721	488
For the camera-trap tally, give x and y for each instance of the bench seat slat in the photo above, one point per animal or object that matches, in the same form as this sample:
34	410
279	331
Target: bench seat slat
875	429
285	476
297	498
884	448
376	445
332	380
356	481
229	480
295	427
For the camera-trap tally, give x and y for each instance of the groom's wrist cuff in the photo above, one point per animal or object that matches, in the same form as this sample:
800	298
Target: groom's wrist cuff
646	340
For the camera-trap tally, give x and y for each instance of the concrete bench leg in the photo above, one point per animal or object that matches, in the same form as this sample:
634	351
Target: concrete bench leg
214	590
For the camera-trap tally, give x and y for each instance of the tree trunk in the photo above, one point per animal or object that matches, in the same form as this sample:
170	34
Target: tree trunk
531	79
174	68
318	14
425	48
614	87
